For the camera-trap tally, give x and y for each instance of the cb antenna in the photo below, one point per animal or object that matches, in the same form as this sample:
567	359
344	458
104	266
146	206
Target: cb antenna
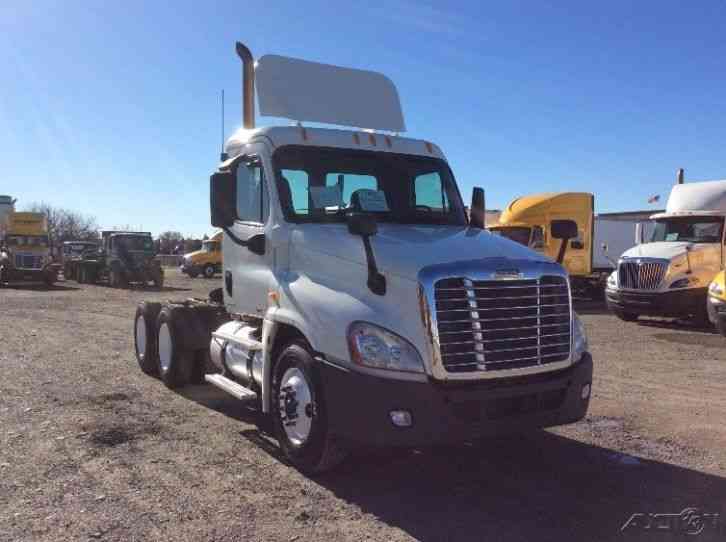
222	154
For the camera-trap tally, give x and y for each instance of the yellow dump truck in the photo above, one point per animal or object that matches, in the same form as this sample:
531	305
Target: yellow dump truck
25	250
206	261
592	252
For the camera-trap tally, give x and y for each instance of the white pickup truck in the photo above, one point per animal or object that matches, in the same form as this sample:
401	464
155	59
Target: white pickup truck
359	305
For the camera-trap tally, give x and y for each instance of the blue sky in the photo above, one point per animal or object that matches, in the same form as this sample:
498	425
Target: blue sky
112	108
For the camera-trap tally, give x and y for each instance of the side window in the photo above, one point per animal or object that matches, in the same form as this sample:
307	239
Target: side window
537	242
349	183
299	182
252	197
429	193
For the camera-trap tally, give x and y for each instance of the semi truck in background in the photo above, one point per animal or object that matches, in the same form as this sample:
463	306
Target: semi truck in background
590	256
206	261
668	273
7	206
25	249
358	304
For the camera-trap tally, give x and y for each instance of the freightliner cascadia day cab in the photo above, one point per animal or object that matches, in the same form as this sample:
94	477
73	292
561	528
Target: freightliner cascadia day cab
669	275
590	256
358	305
207	261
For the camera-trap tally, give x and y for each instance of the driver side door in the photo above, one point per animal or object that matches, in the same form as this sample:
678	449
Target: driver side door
247	269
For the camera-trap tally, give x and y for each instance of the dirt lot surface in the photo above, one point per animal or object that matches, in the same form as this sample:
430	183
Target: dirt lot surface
92	449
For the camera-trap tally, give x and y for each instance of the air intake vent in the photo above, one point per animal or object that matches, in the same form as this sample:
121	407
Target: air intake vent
641	275
502	324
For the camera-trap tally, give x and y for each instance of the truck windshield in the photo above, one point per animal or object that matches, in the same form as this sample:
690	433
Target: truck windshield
323	185
27	240
134	242
77	250
518	234
692	229
210	246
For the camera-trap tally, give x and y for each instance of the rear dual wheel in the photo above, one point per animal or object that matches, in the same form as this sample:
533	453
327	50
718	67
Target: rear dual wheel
145	337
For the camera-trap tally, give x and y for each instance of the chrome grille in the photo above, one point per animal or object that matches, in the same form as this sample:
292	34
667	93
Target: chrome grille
641	275
28	261
502	324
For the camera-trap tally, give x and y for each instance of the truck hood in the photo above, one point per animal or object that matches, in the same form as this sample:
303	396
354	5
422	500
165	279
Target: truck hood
404	250
667	250
193	254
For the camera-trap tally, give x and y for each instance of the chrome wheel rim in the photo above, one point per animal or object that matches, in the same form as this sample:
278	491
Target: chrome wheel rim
164	347
140	336
296	406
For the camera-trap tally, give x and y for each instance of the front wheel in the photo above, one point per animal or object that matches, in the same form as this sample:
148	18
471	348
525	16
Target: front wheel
626	316
209	271
300	421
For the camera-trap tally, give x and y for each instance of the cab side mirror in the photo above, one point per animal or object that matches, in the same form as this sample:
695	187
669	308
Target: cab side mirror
223	199
563	229
477	211
639	233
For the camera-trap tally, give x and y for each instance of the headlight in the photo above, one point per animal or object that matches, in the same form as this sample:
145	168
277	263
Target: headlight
378	348
716	289
612	282
579	342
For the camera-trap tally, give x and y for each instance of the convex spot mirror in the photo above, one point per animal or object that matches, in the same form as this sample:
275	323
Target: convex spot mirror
223	198
564	229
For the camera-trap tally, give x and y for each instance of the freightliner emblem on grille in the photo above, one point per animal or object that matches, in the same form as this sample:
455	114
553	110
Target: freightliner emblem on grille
508	274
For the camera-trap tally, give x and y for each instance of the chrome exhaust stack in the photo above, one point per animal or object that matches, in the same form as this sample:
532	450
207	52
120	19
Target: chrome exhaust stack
248	85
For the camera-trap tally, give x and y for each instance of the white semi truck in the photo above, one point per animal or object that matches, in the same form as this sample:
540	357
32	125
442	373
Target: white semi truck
668	274
358	303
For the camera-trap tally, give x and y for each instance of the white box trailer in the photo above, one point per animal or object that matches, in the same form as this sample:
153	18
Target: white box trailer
613	237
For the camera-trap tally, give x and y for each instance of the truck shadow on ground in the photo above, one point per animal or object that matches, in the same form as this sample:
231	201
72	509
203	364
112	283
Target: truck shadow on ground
540	486
589	306
679	325
40	288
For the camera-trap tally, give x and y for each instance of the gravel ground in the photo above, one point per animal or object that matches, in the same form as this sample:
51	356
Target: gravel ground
91	448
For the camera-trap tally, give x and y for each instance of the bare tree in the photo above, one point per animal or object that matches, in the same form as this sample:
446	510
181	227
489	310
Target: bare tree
65	224
169	241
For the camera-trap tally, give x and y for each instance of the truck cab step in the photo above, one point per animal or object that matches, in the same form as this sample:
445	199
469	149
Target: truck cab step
230	386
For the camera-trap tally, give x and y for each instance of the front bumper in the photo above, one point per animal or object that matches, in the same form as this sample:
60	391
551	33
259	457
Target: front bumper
47	274
717	311
676	303
188	267
359	406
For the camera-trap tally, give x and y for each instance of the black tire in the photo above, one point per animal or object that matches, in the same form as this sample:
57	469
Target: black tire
626	316
208	271
158	279
721	326
193	274
147	355
113	278
81	275
180	368
319	452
